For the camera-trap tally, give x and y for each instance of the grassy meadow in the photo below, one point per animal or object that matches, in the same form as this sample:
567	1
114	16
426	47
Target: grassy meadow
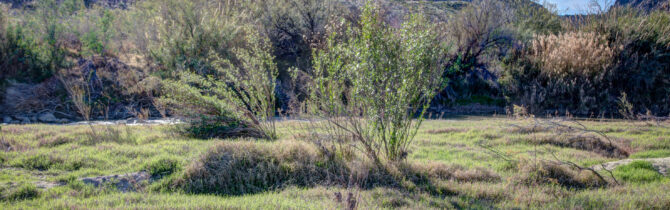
488	157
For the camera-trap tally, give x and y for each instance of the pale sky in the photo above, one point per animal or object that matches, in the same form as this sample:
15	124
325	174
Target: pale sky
570	7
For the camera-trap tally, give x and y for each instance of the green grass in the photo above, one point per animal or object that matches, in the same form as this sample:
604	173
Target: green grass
637	171
46	154
652	154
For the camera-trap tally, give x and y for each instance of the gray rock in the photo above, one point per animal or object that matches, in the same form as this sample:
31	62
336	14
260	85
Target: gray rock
48	118
124	183
7	119
23	119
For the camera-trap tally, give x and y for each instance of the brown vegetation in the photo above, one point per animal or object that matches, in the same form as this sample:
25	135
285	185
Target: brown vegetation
551	172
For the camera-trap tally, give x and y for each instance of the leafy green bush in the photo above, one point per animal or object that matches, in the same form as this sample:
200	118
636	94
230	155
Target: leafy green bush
376	80
637	171
20	56
180	35
163	166
239	95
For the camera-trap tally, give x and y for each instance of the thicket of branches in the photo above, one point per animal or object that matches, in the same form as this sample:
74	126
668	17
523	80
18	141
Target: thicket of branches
502	53
376	82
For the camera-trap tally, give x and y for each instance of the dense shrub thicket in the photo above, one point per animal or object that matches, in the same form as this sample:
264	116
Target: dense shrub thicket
111	60
588	69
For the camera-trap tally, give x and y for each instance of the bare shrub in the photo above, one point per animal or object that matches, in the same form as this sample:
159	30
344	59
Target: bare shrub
477	30
79	93
480	34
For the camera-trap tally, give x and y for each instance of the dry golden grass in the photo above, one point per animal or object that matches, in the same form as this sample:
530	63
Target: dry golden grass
572	54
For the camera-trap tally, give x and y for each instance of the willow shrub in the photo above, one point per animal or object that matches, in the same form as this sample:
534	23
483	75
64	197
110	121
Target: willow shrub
180	34
371	82
235	98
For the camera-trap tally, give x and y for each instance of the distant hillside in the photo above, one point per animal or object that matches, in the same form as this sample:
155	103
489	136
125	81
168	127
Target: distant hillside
646	5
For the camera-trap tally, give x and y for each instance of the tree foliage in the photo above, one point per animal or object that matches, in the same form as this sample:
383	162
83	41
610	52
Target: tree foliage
376	79
239	95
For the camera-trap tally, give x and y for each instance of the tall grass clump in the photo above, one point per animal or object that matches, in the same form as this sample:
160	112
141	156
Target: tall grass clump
565	71
374	83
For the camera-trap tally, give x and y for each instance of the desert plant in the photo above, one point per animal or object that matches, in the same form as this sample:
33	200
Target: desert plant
374	82
180	34
243	92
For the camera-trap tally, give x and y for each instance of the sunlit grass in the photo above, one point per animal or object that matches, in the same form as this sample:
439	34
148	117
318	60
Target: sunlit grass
45	153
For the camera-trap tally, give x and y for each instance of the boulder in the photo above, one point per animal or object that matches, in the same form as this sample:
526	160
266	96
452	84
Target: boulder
48	118
23	119
7	119
124	183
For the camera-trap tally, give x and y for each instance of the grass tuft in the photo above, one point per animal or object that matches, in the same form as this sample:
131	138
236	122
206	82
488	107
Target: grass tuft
24	192
40	162
163	166
545	172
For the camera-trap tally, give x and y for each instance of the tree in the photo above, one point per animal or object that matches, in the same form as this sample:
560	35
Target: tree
373	82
